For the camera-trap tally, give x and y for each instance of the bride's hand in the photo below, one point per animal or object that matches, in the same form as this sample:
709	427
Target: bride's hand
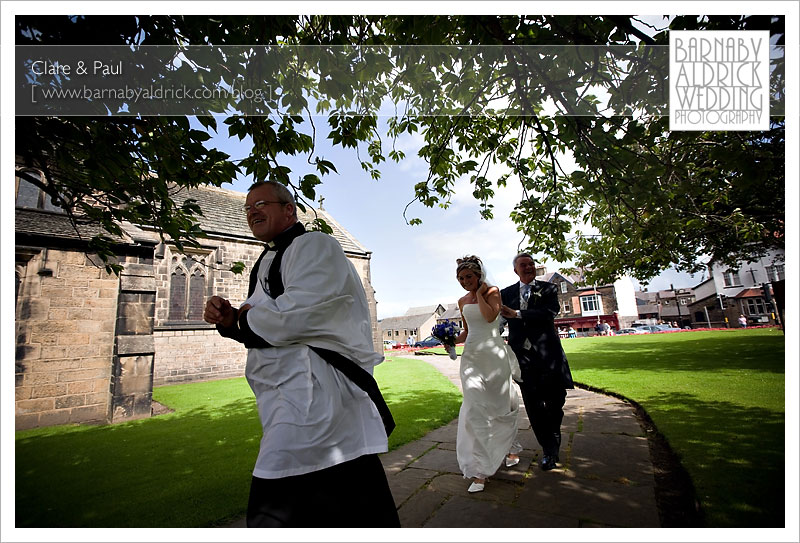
482	290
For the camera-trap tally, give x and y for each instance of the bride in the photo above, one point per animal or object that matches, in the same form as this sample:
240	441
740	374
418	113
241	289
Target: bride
487	421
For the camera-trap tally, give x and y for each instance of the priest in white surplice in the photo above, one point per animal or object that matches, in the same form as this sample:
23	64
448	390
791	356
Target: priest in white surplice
317	464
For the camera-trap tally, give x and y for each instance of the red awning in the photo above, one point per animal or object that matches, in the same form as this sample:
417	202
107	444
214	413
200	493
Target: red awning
752	293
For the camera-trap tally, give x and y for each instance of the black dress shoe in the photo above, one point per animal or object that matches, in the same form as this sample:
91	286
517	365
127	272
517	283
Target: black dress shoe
548	462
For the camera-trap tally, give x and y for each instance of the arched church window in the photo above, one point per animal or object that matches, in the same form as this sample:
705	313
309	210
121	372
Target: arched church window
177	295
187	289
30	195
197	295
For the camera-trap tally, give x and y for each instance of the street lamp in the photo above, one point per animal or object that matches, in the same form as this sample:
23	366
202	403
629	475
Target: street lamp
678	302
766	289
721	297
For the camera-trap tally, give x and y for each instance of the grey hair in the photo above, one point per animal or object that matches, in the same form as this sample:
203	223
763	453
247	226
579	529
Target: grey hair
521	255
282	192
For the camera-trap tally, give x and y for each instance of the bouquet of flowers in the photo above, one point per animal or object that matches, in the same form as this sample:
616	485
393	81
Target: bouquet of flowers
446	332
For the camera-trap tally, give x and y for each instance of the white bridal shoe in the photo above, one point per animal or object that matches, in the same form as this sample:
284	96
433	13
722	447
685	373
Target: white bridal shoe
510	462
475	487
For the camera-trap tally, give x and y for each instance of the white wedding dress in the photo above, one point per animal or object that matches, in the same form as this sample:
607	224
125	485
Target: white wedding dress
487	421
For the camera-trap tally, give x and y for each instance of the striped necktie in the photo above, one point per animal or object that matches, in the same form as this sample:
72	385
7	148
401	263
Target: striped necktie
526	294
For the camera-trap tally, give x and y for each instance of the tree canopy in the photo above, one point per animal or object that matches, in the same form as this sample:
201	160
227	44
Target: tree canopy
493	97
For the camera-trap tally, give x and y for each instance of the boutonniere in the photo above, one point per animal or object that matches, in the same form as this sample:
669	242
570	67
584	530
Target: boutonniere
535	296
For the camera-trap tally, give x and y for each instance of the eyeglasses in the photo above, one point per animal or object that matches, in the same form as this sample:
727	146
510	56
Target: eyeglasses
259	205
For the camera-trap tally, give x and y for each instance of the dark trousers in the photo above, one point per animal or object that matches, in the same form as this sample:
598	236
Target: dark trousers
545	411
352	494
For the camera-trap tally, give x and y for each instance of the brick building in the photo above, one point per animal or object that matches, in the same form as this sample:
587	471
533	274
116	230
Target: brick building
744	289
90	346
416	324
83	352
582	307
666	306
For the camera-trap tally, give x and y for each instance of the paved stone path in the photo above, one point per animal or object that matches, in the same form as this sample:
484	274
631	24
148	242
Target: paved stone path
605	478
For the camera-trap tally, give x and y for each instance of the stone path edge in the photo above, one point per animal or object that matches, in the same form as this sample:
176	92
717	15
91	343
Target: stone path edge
676	496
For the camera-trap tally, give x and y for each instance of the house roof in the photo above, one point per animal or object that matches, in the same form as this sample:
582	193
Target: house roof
546	277
36	222
645	298
451	313
426	310
673	311
646	309
405	322
751	293
552	277
574	278
223	216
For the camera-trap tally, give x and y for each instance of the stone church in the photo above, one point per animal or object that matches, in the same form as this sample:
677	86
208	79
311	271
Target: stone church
90	345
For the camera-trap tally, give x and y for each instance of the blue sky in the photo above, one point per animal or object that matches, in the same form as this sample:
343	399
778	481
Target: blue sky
414	265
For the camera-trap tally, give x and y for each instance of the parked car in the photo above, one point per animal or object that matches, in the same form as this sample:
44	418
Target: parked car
389	344
429	341
625	331
648	329
666	328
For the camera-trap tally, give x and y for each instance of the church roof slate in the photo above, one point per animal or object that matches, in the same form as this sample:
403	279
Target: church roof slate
404	322
35	222
223	216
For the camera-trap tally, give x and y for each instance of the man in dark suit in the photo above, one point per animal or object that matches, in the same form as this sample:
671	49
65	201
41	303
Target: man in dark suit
529	307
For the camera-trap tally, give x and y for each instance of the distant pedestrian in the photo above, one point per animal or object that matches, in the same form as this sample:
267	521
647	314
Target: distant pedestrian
742	321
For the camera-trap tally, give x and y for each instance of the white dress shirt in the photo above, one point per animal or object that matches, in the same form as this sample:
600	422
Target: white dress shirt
313	417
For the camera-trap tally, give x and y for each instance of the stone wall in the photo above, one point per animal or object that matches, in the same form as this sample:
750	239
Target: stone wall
362	266
215	262
608	301
65	323
91	345
193	351
728	318
132	384
195	355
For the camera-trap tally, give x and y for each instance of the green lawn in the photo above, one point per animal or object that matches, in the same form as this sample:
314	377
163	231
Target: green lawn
190	468
420	398
718	397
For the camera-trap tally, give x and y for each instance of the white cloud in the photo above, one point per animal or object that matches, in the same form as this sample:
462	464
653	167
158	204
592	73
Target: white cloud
423	271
